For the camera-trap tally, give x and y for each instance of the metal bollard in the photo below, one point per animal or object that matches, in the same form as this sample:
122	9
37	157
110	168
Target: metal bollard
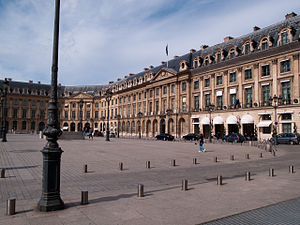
121	166
148	165
140	190
215	159
84	197
11	206
219	180
195	161
2	173
247	156
232	157
291	169
184	186
260	155
85	168
273	153
173	162
247	176
271	172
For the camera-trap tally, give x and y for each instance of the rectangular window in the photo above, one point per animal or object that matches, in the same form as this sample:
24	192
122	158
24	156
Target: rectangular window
196	102
134	98
88	115
73	115
24	103
33	103
139	107
150	107
248	97
165	90
144	107
265	94
286	116
264	44
15	113
232	99
183	104
151	93
207	82
286	92
219	80
219	57
80	114
220	101
42	104
266	117
42	114
248	74
33	113
232	77
157	91
96	115
266	130
173	104
96	105
164	105
196	84
285	66
286	127
183	86
66	115
24	112
23	125
156	107
173	88
134	109
284	37
140	96
265	70
207	100
16	102
247	48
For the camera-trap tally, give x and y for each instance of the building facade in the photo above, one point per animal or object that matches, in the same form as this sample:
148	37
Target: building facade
248	85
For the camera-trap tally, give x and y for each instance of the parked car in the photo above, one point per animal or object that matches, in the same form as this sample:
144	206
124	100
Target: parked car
112	135
191	137
234	137
286	138
165	137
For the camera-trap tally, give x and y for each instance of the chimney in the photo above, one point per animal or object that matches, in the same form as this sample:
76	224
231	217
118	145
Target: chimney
119	79
145	69
110	82
255	28
203	47
163	62
290	15
227	38
30	81
151	67
59	84
9	79
39	82
192	50
176	56
129	75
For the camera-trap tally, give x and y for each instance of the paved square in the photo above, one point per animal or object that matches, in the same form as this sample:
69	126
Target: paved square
112	193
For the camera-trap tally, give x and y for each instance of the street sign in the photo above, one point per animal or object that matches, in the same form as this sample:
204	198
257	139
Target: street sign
276	123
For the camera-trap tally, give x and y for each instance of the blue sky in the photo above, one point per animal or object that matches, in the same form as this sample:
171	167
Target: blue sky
102	40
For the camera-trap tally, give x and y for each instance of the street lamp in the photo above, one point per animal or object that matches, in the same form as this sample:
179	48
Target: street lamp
118	118
50	199
80	113
3	92
210	110
108	95
274	102
140	114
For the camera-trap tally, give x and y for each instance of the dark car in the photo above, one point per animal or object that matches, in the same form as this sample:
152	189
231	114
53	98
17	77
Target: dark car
165	137
286	138
234	137
191	137
112	135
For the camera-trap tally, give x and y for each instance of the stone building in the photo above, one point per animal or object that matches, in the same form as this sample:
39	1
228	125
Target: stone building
237	79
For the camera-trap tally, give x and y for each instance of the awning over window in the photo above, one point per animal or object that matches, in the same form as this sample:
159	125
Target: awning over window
264	113
231	120
218	120
195	123
96	128
65	128
247	119
281	112
205	121
194	117
264	123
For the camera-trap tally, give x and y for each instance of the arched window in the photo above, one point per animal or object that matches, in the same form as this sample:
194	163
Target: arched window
285	37
232	53
247	48
264	44
206	61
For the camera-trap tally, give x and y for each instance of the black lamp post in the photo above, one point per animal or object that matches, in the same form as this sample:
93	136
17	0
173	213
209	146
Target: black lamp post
140	114
3	101
210	110
80	114
108	95
50	199
118	118
274	102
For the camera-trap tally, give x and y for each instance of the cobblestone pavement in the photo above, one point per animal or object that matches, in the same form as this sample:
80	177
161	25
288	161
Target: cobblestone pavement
112	193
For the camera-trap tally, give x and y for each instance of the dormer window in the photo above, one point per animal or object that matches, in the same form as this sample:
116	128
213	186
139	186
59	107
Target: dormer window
232	53
196	63
247	48
206	61
285	37
219	56
264	44
182	65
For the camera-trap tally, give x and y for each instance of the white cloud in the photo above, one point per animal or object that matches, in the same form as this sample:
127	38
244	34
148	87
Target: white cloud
102	40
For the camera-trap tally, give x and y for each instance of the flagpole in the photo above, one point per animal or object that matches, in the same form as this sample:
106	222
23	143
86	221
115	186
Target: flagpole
167	51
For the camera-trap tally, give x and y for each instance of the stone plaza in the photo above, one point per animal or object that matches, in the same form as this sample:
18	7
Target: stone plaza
113	193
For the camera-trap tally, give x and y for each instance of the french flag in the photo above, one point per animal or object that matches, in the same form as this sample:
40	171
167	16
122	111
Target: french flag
167	52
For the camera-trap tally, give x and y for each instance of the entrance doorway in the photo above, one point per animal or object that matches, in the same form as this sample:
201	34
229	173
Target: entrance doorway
233	128
219	130
248	129
206	131
162	126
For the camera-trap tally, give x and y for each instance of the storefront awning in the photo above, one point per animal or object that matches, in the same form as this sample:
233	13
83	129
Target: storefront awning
194	117
65	128
205	121
264	123
195	123
231	120
280	112
264	113
218	120
247	119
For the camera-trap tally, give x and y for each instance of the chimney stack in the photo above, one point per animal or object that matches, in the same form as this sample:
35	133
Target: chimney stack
192	50
163	62
30	81
228	38
145	69
119	79
255	28
203	47
151	67
110	82
39	82
290	15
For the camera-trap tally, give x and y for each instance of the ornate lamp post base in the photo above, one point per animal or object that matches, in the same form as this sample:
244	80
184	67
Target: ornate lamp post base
50	199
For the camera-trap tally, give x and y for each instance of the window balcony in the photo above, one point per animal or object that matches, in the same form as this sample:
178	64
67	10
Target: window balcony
248	105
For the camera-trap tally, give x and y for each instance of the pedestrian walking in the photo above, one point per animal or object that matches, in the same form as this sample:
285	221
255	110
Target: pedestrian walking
90	133
201	143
